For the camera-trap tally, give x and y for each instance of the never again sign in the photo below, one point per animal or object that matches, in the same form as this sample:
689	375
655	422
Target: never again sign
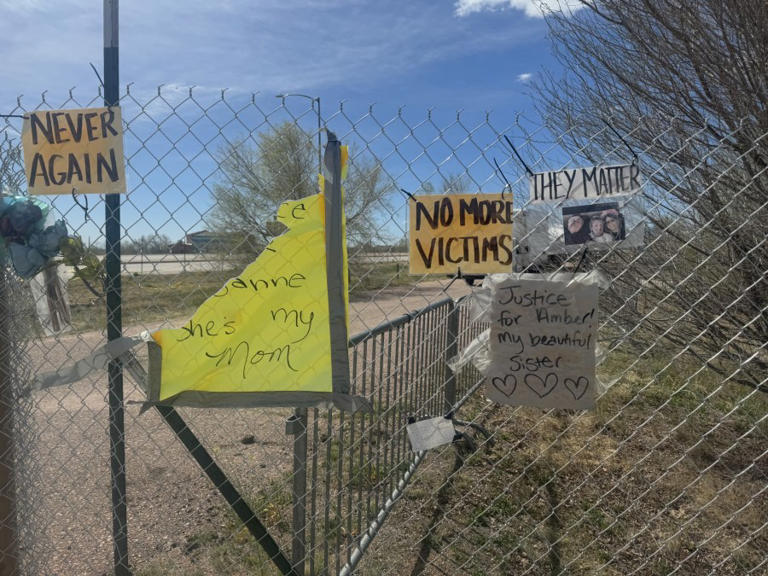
74	149
467	232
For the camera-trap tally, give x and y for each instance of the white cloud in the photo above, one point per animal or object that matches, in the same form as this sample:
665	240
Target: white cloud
283	46
524	77
532	8
20	6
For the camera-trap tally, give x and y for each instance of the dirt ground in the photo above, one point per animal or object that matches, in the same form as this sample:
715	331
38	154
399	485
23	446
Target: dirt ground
172	506
667	475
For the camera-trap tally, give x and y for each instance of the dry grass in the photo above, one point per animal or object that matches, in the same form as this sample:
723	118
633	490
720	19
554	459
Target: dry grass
667	474
661	478
148	298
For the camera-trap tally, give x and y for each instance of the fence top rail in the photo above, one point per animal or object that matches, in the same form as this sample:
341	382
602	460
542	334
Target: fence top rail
404	319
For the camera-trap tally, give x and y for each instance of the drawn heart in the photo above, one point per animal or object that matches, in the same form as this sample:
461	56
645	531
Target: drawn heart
505	385
577	387
542	387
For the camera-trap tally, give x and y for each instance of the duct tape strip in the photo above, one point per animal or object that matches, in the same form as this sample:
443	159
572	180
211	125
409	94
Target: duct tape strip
99	360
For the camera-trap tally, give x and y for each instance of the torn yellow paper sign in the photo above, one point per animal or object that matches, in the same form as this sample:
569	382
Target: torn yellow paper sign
266	330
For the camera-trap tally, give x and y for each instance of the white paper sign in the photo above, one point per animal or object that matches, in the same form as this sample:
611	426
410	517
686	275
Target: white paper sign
542	344
595	182
431	433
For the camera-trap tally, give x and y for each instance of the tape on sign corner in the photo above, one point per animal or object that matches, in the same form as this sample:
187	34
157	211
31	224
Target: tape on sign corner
430	433
98	360
602	386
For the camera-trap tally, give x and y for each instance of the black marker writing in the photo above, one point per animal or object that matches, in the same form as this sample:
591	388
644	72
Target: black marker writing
514	339
585	183
59	170
53	128
535	297
295	318
546	316
577	340
484	212
472	249
210	329
242	353
295	280
506	318
532	363
441	214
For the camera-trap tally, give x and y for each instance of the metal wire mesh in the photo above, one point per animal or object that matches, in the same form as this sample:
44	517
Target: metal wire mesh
667	475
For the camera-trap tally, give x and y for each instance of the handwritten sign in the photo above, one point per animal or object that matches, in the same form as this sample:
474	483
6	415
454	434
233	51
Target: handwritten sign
467	232
542	344
584	183
74	149
267	330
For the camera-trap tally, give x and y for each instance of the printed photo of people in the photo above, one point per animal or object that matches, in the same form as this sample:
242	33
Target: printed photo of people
593	224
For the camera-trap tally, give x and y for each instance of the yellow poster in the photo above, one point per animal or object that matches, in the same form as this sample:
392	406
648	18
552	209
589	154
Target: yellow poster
471	233
80	150
266	330
275	335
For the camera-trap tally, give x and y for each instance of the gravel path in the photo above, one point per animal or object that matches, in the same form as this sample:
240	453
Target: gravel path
170	502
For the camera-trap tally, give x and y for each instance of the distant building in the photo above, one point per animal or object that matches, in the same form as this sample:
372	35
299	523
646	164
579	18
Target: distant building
201	242
181	247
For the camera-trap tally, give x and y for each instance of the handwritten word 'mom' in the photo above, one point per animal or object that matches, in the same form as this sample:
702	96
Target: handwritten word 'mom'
241	356
293	281
585	183
63	127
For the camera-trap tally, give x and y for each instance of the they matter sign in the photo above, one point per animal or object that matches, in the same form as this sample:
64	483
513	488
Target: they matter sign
471	233
542	344
595	182
80	150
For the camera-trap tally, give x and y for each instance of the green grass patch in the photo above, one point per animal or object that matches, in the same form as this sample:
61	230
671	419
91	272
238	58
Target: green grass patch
366	277
148	298
145	299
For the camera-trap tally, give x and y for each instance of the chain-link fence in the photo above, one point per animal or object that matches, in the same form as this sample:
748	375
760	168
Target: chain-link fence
667	475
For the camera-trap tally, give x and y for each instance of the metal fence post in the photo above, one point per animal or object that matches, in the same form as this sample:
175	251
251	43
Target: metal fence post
8	532
113	289
296	425
451	350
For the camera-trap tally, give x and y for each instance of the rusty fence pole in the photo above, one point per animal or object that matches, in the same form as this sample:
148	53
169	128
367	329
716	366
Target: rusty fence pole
8	522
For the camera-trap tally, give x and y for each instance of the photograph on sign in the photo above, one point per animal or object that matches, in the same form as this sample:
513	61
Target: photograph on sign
546	229
74	150
471	233
593	224
542	343
595	182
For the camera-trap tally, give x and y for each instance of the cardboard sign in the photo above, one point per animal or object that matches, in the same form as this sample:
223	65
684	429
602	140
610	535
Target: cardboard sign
542	344
584	183
80	150
467	232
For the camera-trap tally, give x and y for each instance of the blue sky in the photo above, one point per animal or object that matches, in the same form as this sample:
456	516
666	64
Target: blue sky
471	55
